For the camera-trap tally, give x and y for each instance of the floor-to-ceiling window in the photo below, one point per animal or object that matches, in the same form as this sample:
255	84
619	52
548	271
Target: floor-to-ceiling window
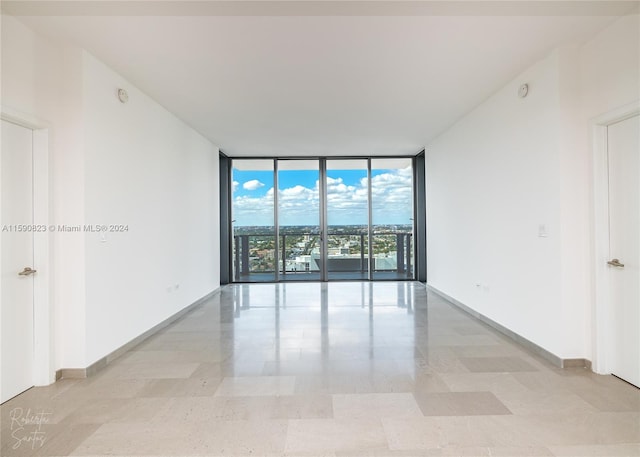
253	221
322	219
392	218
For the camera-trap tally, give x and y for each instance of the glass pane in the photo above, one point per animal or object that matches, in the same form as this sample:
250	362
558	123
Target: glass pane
299	219
253	227
347	219
392	208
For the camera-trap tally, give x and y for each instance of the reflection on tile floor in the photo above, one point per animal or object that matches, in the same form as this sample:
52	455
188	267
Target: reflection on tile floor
338	369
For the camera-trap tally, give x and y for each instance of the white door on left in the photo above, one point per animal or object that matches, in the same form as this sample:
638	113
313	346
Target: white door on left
16	305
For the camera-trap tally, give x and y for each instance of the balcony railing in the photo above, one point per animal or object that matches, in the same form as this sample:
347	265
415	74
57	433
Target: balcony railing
300	253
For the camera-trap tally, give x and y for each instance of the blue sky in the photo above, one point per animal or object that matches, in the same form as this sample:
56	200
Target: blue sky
299	198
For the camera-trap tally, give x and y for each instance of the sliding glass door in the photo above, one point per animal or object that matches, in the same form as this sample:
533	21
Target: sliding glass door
299	220
322	219
347	203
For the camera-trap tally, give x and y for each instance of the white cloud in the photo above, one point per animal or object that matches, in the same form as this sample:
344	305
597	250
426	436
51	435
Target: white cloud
252	185
346	204
298	205
296	192
234	186
255	211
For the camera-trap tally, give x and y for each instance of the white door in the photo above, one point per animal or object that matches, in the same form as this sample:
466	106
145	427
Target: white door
623	140
16	306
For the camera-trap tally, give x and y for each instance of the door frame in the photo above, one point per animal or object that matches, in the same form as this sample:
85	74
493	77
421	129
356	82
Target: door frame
602	323
43	341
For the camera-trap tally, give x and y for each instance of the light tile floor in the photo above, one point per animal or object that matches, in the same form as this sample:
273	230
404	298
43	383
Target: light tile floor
338	369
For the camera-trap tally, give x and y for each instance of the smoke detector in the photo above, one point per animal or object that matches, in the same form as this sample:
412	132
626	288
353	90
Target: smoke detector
523	91
123	96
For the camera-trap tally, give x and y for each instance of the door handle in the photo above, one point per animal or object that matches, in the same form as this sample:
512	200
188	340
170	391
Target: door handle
27	271
615	263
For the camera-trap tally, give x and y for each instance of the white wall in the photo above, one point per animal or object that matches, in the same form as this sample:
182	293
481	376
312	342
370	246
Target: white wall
610	68
149	171
513	164
134	164
492	179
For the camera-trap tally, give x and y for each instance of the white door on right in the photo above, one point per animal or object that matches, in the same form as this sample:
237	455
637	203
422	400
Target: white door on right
623	140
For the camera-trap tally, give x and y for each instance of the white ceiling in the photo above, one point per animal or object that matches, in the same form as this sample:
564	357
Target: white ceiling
322	78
